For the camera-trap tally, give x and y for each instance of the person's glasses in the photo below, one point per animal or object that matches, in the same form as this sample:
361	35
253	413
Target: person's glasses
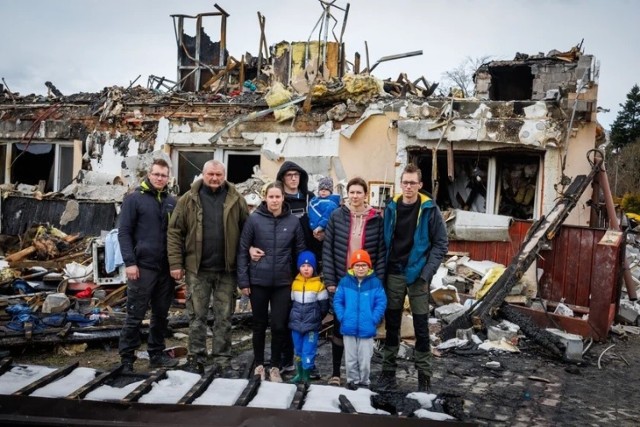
360	266
292	175
409	183
160	175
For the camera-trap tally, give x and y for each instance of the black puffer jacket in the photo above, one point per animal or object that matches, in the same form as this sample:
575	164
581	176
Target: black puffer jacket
280	238
336	244
142	227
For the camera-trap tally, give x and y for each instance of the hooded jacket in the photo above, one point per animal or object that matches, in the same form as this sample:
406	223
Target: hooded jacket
142	226
184	237
335	248
360	306
430	240
281	239
299	204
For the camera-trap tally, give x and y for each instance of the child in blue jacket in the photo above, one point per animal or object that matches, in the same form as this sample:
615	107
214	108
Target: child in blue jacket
310	305
359	305
322	206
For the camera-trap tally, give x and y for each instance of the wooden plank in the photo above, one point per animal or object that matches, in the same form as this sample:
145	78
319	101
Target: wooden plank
47	379
560	250
5	364
298	397
570	324
198	388
571	265
249	392
603	287
585	264
95	383
146	385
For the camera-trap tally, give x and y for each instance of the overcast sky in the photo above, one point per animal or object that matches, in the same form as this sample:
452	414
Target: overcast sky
85	45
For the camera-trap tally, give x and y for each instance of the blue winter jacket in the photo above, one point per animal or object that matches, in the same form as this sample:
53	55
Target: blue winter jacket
430	240
359	306
320	210
310	303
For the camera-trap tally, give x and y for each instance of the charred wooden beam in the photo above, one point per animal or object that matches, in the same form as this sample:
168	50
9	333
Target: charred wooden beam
346	406
146	385
248	393
298	397
95	383
5	364
47	379
199	388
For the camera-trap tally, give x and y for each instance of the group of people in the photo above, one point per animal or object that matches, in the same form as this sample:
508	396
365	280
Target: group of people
294	257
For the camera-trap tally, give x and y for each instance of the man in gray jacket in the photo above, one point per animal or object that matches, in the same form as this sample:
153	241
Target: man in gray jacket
202	243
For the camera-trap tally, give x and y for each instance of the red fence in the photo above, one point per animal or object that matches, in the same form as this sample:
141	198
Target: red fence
577	268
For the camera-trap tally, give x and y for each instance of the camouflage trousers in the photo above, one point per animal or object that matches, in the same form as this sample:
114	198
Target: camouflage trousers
396	289
201	288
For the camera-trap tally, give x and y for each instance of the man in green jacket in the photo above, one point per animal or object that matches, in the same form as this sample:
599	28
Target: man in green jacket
202	243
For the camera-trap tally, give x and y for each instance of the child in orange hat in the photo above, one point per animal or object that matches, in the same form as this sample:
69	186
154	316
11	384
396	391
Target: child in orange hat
359	305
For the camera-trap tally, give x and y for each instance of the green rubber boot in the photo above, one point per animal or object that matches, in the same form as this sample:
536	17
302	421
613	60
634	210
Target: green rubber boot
306	376
299	377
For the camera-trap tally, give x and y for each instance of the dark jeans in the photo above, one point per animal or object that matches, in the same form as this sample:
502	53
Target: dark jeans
280	300
155	289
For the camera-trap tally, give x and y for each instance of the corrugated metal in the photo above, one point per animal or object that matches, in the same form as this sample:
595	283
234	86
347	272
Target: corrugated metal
19	213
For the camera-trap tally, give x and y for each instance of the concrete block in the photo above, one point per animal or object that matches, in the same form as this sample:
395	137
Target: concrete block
628	311
572	342
448	313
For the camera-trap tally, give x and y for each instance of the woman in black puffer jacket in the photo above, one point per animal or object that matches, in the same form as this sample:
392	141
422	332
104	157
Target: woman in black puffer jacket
353	226
267	281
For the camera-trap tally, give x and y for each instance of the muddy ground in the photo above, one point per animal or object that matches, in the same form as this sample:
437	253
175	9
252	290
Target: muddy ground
529	388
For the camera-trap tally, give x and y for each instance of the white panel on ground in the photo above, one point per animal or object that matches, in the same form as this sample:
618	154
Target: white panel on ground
21	376
324	398
273	395
66	385
107	392
222	392
172	388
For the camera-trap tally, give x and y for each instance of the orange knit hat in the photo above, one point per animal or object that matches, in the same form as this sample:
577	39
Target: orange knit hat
360	256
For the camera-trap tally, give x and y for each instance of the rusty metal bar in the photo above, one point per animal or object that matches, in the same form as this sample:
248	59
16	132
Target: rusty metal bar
5	364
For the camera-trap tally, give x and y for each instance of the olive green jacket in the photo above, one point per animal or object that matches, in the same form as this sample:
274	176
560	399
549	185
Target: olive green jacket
184	236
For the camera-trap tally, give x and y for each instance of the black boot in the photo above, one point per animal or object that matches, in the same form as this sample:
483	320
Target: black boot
386	381
424	382
193	365
127	365
161	360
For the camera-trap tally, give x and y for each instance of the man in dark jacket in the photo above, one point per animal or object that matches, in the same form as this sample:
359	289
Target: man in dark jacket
142	234
416	241
203	237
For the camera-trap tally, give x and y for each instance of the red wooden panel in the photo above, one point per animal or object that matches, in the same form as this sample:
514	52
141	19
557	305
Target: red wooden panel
603	286
572	269
585	265
560	256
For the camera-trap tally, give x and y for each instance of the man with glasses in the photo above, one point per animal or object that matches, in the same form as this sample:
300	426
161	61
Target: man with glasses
203	238
142	235
416	241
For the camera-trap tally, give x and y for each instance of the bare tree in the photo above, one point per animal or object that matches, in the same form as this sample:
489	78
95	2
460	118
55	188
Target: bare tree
461	77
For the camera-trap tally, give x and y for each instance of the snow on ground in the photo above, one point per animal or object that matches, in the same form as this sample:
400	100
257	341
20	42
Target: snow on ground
222	392
21	376
107	392
273	395
171	389
437	416
426	402
68	384
324	398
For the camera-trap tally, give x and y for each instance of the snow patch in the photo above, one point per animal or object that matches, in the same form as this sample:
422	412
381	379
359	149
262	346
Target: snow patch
171	389
222	392
21	376
273	395
324	398
68	384
107	392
